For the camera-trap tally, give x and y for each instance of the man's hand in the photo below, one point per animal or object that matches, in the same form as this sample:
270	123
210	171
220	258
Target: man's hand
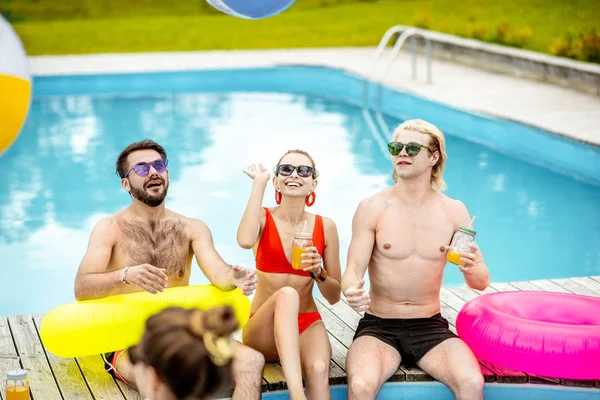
148	277
467	258
358	298
244	278
258	173
312	260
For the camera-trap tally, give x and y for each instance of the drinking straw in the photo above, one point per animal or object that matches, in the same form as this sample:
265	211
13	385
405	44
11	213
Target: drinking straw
471	223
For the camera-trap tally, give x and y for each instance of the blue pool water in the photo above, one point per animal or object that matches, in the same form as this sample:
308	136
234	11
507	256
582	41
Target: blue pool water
535	195
437	391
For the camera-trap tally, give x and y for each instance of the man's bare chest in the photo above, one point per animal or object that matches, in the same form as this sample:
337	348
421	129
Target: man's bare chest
400	235
163	244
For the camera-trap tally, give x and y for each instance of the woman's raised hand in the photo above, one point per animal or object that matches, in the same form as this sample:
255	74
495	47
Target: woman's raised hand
258	172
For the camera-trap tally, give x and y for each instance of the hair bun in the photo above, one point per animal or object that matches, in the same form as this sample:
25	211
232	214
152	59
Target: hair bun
196	323
220	320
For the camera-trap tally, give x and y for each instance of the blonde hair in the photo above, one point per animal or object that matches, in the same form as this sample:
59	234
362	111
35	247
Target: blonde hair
437	142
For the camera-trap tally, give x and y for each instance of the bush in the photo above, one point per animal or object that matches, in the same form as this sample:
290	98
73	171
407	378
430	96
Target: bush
506	36
522	37
478	32
585	48
590	46
502	32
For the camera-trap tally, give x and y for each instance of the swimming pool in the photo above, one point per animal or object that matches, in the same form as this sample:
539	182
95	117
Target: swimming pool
535	195
437	391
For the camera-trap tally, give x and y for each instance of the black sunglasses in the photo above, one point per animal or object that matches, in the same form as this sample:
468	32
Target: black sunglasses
304	171
412	148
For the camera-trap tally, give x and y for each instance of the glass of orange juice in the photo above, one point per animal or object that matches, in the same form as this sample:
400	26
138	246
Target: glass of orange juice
17	385
302	240
459	244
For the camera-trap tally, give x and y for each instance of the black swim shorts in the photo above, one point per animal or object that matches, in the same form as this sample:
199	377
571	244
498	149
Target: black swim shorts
412	338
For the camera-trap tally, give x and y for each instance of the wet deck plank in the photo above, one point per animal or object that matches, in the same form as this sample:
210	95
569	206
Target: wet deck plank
8	353
574	287
101	384
588	283
273	374
549	286
33	358
67	373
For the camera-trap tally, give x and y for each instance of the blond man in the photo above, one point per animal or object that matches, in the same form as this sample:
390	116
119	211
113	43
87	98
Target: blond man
401	234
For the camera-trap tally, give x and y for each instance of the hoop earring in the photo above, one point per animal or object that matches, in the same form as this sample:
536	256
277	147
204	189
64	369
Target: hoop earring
310	199
277	197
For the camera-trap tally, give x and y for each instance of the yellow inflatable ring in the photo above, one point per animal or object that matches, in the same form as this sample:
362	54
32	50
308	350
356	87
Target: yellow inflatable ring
15	85
116	322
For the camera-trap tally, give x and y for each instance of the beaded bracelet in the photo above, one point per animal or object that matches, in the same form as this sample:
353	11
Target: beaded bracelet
125	275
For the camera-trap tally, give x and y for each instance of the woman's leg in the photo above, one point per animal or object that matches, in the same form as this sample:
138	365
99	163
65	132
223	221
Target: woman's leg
273	330
315	355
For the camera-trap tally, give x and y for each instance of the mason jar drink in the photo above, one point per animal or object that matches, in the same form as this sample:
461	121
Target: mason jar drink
460	243
302	240
17	385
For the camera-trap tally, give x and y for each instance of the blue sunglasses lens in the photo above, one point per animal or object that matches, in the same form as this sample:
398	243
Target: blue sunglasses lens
142	169
160	165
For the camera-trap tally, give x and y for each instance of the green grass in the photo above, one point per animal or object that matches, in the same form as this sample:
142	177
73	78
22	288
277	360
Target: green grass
192	26
28	10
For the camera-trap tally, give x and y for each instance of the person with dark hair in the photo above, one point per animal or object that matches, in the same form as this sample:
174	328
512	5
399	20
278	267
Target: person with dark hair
149	247
185	354
284	321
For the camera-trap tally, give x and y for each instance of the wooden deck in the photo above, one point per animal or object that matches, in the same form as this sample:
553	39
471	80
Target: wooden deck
53	378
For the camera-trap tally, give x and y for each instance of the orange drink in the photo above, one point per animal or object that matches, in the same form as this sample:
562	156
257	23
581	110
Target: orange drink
454	257
460	243
302	240
17	385
17	393
297	257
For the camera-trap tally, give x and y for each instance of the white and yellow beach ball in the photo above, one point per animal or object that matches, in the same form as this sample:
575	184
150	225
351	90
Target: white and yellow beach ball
15	85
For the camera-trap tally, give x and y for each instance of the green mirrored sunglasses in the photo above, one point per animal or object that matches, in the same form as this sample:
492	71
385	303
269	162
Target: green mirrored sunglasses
412	148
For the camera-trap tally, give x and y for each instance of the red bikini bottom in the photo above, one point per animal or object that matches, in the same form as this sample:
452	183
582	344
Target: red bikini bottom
305	320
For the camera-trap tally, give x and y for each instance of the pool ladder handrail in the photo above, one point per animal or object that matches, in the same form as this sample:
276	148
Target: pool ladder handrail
405	33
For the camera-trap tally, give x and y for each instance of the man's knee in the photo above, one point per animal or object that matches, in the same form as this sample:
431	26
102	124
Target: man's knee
470	386
362	386
248	360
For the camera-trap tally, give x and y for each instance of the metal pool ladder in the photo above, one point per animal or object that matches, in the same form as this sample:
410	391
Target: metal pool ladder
381	134
406	33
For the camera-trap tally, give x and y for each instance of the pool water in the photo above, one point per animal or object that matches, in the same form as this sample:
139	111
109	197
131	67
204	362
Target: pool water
437	391
58	180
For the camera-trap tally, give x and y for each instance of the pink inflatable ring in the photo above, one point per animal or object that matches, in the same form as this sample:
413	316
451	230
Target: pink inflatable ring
542	333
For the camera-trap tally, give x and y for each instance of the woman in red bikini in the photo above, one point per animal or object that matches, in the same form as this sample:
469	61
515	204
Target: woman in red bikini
284	322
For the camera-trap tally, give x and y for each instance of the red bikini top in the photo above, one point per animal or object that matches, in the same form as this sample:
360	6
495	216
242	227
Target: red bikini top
270	256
